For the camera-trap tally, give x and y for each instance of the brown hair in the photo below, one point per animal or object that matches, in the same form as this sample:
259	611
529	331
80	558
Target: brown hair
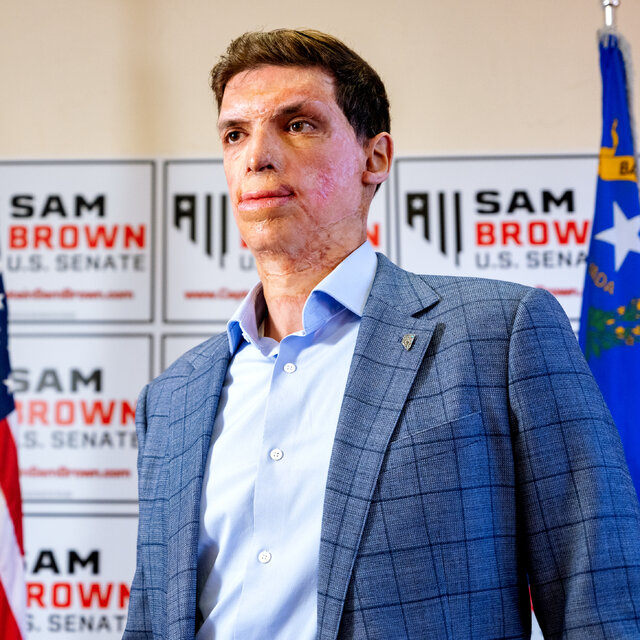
360	92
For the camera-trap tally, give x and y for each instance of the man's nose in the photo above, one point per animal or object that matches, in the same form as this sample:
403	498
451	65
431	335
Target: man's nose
262	151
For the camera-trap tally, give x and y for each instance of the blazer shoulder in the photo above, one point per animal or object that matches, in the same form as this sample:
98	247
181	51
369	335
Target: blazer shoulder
197	357
483	298
476	290
480	301
392	279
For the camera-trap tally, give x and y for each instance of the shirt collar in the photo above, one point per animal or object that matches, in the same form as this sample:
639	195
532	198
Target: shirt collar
346	287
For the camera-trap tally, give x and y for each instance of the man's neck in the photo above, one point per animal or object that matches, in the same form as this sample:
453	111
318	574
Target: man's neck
287	283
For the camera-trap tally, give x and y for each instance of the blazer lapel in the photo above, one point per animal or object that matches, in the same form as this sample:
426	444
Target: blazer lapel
193	410
381	374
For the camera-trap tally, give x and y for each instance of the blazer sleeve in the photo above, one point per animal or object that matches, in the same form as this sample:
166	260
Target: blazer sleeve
578	513
138	619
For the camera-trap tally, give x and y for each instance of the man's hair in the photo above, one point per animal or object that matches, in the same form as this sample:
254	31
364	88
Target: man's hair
359	91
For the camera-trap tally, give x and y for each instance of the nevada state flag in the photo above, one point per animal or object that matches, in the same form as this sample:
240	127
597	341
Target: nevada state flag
610	319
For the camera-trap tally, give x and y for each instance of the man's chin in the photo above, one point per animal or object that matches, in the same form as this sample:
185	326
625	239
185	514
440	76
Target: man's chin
274	242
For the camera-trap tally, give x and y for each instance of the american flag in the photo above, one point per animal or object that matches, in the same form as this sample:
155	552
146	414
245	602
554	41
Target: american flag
12	587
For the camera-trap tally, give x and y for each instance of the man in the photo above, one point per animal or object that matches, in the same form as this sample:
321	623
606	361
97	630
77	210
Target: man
369	453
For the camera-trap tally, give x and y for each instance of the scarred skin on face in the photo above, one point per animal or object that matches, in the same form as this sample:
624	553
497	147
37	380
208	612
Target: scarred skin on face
300	181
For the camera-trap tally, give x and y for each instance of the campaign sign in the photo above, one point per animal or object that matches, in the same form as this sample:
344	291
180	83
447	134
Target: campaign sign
524	219
77	240
78	573
176	344
207	267
75	405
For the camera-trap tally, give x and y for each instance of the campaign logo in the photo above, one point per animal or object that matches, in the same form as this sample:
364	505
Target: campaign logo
75	405
430	212
77	240
207	267
196	219
522	219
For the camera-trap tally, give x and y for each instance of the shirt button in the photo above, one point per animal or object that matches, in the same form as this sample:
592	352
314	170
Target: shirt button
276	454
264	557
290	367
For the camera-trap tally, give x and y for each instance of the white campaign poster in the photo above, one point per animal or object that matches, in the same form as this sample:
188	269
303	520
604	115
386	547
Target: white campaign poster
79	572
75	401
518	218
207	268
76	239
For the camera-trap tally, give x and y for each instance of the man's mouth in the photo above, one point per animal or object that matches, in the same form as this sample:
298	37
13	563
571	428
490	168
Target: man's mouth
265	198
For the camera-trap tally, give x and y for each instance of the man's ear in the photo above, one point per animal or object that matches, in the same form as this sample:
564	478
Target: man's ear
379	150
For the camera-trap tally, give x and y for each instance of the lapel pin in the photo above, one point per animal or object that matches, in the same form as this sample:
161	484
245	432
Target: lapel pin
407	340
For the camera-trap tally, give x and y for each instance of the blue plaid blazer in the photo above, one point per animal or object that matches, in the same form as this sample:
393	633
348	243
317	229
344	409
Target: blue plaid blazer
479	461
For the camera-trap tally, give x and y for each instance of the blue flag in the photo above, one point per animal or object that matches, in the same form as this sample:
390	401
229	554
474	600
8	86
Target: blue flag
610	319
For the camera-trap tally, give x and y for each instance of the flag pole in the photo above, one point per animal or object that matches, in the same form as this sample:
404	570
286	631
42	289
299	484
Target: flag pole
610	7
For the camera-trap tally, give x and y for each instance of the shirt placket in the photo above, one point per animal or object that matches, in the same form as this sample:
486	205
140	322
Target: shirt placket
266	563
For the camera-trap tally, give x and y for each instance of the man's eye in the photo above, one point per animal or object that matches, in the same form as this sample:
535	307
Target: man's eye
300	126
232	136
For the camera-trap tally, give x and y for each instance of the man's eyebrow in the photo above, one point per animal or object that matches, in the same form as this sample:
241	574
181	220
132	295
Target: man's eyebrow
229	123
285	110
291	109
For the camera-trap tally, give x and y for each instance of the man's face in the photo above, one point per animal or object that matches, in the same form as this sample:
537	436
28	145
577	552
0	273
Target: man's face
293	163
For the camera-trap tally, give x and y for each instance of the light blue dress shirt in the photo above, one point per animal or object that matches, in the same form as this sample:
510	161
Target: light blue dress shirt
266	472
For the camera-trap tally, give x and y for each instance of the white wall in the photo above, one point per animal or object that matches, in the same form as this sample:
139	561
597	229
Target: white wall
128	78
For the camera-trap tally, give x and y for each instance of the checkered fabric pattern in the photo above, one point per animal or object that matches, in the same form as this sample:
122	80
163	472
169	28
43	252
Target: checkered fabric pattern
478	461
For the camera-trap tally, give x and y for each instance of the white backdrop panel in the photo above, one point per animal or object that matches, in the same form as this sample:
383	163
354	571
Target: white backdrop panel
524	219
75	399
77	240
79	570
